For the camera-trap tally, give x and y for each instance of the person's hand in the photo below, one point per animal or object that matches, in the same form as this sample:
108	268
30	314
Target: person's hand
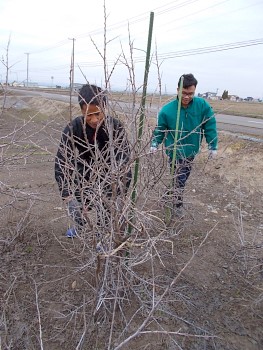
153	149
212	154
74	210
67	199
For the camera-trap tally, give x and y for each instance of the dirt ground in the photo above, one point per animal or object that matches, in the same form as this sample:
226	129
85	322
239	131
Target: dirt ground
194	284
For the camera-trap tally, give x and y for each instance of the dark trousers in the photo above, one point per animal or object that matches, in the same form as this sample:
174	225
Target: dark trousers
89	199
182	170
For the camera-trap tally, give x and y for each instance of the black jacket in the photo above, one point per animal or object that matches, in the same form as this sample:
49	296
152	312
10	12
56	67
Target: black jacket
84	152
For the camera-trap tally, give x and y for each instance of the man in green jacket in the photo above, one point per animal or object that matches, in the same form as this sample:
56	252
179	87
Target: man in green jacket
196	120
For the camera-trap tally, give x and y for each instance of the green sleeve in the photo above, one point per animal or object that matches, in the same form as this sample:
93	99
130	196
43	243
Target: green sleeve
159	131
210	128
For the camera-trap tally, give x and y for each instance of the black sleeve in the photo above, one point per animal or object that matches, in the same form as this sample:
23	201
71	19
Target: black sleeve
121	143
64	161
122	150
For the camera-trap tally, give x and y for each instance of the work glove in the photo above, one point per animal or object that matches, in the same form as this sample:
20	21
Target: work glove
74	211
153	149
212	154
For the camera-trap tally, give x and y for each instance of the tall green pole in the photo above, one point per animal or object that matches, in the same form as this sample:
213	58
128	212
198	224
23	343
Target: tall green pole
142	108
177	125
169	210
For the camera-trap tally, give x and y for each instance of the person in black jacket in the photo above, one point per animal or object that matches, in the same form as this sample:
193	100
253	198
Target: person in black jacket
92	162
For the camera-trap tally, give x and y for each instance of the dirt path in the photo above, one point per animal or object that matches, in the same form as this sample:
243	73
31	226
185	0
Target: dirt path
48	282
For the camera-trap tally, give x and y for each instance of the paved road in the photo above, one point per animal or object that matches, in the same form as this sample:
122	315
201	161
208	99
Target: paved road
244	125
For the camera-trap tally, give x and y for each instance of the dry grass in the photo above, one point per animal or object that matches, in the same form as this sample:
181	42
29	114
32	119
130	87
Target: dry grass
244	108
153	299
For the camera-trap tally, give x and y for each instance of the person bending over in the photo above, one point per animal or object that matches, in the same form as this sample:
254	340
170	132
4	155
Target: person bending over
92	161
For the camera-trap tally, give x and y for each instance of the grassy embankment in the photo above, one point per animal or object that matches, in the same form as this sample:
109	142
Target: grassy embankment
244	108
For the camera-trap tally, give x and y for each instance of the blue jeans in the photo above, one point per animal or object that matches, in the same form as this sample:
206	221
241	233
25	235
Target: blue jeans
182	170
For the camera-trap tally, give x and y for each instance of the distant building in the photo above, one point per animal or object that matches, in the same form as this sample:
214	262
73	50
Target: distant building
210	95
248	99
32	84
25	84
15	83
233	98
77	86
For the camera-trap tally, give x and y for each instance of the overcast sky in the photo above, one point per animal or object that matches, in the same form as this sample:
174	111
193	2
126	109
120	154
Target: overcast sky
219	41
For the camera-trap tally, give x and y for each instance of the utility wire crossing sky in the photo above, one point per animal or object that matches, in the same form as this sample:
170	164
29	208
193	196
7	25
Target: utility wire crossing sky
220	42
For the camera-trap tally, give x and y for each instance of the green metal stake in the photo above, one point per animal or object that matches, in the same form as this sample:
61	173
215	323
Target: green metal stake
169	211
142	113
177	124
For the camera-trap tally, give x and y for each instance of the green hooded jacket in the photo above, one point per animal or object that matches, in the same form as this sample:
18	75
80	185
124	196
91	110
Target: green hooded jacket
196	121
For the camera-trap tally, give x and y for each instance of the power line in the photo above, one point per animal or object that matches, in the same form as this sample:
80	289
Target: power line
210	49
169	55
133	20
196	12
211	18
191	52
163	56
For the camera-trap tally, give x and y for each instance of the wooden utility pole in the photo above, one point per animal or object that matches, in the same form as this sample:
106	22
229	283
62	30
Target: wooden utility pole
71	77
27	67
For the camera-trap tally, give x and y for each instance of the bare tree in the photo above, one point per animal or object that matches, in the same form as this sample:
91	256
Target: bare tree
123	283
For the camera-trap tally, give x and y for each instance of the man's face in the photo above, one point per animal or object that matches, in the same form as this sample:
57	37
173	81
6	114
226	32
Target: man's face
187	95
93	115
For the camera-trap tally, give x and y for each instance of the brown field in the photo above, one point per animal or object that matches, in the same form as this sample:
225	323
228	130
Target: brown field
191	284
244	108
